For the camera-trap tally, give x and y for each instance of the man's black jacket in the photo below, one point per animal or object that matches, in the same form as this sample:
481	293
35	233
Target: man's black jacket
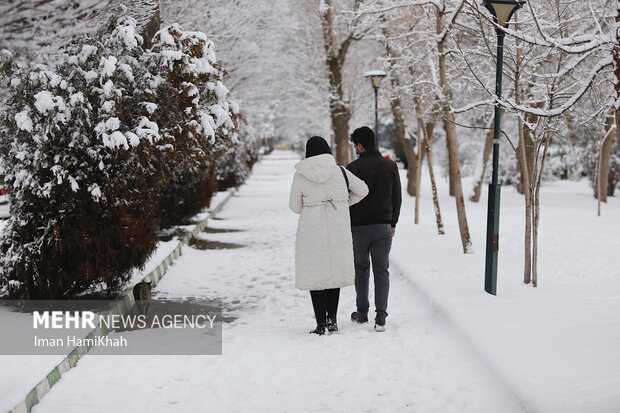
382	204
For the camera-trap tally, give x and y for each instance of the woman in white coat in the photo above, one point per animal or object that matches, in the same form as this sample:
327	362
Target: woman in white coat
324	247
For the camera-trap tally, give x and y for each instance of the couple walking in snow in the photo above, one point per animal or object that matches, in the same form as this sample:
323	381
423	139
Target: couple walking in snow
347	217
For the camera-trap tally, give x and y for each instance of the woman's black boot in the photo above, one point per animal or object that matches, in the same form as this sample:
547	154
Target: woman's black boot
319	330
332	325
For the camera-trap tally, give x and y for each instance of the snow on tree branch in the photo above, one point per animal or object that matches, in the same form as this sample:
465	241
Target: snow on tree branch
26	25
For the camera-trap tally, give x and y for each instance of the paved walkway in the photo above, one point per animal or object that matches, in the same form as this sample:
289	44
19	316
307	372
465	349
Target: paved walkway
270	363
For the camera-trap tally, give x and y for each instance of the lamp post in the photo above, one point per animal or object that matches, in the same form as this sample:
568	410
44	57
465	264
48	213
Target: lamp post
375	77
502	11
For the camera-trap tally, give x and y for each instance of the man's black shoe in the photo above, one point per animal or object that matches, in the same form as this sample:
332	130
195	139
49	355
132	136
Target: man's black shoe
380	322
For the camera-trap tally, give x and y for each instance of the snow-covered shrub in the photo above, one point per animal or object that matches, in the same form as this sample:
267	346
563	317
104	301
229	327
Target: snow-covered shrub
197	120
565	160
75	145
562	162
234	166
100	148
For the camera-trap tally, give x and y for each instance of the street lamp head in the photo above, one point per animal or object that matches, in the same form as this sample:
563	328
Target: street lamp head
375	77
502	10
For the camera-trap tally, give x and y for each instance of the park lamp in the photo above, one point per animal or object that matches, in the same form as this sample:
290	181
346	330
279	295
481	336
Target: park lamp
502	10
375	77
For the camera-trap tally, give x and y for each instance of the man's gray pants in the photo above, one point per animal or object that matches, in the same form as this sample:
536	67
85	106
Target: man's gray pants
372	242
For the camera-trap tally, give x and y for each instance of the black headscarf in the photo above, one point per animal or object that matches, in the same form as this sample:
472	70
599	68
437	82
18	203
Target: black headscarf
317	146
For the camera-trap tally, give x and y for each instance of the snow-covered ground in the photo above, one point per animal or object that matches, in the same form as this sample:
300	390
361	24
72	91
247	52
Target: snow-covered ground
21	373
269	361
449	347
555	345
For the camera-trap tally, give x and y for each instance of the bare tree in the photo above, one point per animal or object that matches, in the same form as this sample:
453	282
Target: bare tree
393	56
428	145
340	30
443	25
418	175
602	176
426	148
427	32
396	26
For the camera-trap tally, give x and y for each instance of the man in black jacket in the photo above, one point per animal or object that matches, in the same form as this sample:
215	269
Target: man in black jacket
373	224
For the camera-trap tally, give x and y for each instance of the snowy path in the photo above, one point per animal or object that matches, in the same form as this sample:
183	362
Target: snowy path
270	362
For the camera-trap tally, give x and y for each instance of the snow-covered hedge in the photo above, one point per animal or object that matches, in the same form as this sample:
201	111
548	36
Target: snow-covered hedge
102	147
197	119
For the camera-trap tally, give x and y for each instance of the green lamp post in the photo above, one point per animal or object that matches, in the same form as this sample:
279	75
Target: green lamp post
502	11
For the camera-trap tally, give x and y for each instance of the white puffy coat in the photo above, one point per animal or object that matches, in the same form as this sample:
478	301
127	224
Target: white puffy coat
324	247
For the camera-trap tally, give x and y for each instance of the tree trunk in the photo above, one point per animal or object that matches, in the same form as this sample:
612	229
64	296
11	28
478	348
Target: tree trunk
526	174
399	122
537	177
526	168
528	148
450	166
536	213
428	145
525	182
335	52
525	146
453	148
430	128
152	26
486	154
458	188
410	155
602	177
340	123
339	112
418	161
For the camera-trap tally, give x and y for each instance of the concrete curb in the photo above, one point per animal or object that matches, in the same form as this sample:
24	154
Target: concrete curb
122	305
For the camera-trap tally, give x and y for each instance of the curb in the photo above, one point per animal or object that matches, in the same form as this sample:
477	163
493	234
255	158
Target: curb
121	306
